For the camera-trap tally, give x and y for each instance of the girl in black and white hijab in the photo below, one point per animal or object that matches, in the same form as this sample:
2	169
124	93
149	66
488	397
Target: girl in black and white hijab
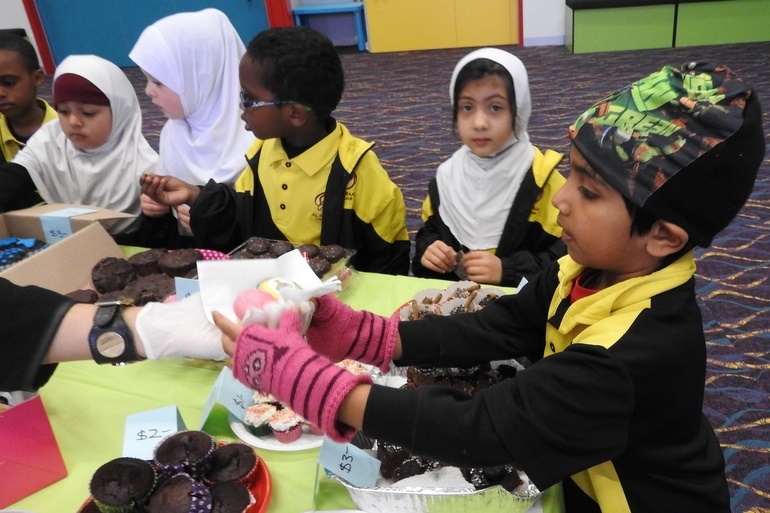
488	216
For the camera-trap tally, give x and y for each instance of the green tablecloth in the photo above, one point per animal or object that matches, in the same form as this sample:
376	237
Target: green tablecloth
87	405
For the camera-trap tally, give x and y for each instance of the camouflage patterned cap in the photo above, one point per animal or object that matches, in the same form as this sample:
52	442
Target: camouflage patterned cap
685	144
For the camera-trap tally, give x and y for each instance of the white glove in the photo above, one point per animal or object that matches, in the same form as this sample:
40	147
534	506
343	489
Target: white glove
179	329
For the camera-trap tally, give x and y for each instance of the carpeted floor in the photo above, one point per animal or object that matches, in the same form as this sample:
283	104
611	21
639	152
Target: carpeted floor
401	101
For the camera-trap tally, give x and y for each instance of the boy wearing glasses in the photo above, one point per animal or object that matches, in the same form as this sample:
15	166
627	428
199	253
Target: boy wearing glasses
308	180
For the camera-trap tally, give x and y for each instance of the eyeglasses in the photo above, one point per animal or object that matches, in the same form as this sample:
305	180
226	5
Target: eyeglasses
254	104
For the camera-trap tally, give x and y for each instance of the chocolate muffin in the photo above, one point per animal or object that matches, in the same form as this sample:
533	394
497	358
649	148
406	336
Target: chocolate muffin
309	251
232	462
179	262
111	273
122	484
152	287
185	451
257	246
319	266
332	253
279	247
180	494
83	296
146	262
230	497
245	255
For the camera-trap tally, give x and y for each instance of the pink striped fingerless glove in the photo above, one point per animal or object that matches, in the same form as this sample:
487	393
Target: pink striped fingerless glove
280	362
338	332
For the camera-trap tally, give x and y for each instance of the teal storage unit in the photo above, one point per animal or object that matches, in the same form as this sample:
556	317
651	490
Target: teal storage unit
109	29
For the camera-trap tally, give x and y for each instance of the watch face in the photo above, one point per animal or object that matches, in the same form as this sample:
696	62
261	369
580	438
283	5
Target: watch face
110	344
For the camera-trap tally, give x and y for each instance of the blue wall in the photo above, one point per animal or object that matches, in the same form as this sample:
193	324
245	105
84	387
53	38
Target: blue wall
109	28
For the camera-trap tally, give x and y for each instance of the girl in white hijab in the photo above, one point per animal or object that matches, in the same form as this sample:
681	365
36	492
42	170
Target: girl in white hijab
488	216
96	152
196	56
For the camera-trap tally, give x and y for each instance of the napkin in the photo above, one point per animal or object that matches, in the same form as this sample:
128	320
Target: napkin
222	280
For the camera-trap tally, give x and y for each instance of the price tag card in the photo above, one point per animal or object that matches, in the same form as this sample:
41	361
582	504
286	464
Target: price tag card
144	430
349	462
185	287
56	224
230	393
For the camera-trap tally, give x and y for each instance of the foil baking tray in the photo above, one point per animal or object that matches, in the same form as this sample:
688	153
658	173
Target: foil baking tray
494	499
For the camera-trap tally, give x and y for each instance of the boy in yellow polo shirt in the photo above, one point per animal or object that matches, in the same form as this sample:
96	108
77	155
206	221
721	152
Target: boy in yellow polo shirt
21	111
309	179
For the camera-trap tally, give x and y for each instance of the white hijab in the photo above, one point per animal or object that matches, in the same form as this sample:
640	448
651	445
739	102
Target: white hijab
108	176
477	192
196	55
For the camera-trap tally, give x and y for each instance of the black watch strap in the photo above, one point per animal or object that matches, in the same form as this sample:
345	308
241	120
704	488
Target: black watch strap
110	339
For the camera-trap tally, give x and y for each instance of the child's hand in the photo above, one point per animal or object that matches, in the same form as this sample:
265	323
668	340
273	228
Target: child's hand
183	215
439	258
483	267
152	208
230	332
337	332
279	361
168	190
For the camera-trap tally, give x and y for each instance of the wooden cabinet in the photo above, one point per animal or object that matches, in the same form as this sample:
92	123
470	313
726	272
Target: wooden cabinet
401	25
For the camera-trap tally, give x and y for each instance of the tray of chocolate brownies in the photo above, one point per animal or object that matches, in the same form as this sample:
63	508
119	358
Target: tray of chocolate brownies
143	277
408	483
325	260
412	484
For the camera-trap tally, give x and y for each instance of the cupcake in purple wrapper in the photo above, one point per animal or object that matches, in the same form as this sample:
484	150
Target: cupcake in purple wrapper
180	494
230	497
286	426
186	451
123	485
233	462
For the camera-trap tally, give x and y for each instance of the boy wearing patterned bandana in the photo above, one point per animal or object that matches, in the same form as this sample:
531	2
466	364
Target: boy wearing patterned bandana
612	405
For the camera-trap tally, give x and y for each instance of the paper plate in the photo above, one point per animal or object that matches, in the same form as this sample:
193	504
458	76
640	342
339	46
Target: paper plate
306	441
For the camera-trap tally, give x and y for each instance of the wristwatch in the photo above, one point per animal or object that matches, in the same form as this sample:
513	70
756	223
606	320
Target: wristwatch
110	339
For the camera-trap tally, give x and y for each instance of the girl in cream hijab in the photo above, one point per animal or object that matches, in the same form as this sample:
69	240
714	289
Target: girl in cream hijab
488	216
195	56
96	152
191	63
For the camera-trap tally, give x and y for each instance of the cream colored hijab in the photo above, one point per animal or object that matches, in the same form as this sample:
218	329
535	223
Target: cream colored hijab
107	176
196	55
477	193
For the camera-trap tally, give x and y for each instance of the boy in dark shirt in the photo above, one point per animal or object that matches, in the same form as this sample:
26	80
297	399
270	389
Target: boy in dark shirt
308	179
